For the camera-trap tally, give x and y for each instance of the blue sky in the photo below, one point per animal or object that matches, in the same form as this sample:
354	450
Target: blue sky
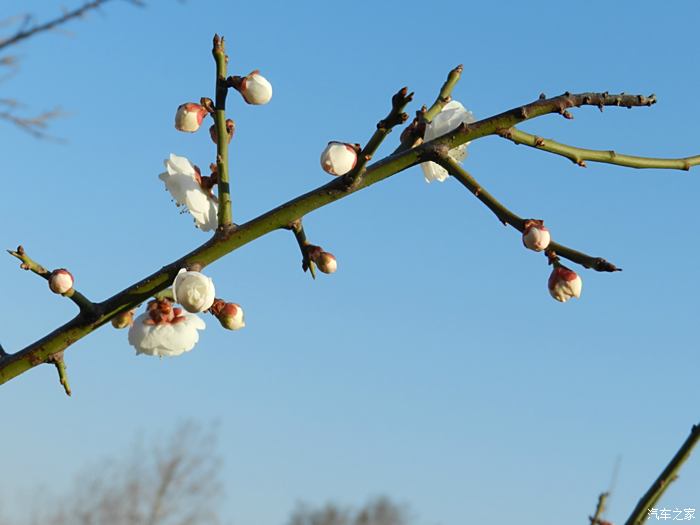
433	366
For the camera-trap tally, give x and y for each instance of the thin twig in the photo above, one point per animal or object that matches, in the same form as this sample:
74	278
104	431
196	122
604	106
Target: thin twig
395	117
667	476
28	32
225	215
297	229
33	125
508	217
580	155
57	360
543	106
413	134
86	306
596	519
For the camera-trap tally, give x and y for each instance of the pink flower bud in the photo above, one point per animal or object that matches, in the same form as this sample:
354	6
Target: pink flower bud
326	262
60	281
255	89
189	117
231	316
535	236
564	284
338	158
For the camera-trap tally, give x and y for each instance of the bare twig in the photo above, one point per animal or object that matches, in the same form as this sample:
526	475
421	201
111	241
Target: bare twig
667	476
395	117
26	31
596	519
300	235
580	155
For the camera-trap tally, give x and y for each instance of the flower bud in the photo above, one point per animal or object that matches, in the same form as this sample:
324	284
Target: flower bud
193	290
326	262
564	284
60	281
230	128
231	316
255	89
189	117
535	236
123	319
338	158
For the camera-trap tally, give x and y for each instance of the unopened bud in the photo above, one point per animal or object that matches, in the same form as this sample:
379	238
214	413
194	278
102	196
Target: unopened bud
189	117
535	236
230	128
338	158
231	316
564	284
123	319
255	89
60	281
325	261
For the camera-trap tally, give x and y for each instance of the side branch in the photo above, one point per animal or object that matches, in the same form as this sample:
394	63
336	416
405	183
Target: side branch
86	306
445	94
300	235
222	137
67	16
543	106
507	217
395	117
580	155
669	474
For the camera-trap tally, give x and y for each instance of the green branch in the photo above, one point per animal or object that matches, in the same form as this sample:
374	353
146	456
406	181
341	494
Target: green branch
597	518
86	306
669	474
225	215
414	133
542	106
580	155
300	235
227	240
509	218
395	117
445	94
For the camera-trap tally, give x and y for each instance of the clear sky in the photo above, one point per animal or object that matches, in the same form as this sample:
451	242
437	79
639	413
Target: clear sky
433	367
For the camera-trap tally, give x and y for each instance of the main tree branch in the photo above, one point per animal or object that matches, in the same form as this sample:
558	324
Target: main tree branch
580	155
228	240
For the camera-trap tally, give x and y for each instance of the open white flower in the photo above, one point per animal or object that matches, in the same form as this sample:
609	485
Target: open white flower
193	290
183	183
451	116
164	330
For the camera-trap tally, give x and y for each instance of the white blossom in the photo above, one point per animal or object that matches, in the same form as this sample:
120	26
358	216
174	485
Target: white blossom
182	181
193	290
452	115
168	336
